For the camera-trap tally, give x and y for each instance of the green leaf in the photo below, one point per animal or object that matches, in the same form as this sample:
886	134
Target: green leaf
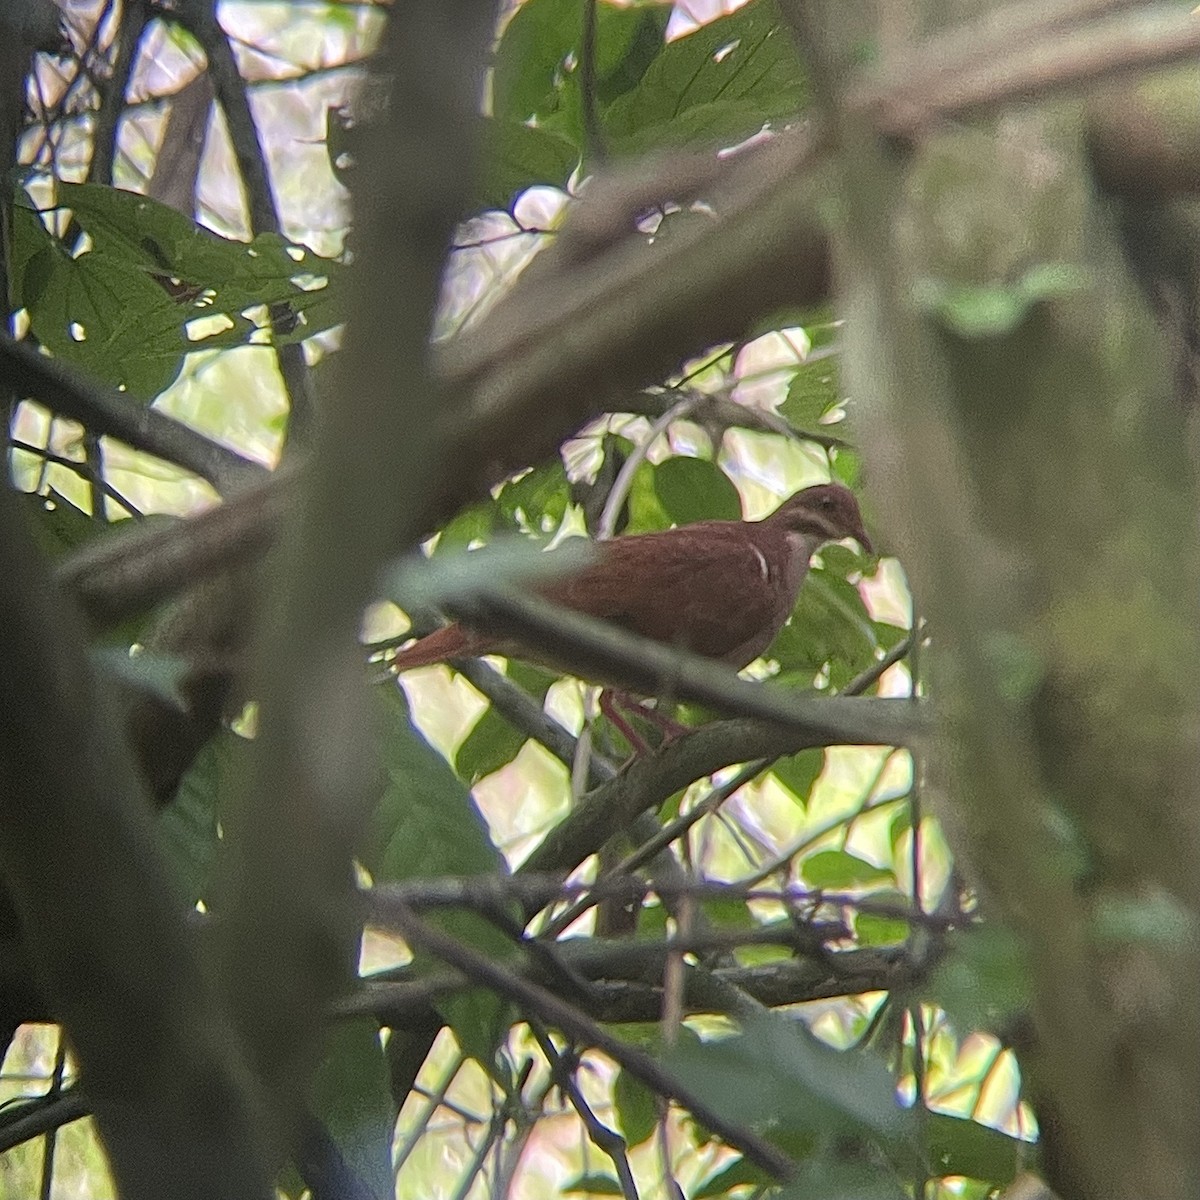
637	1112
530	63
427	825
534	679
727	912
169	245
352	1099
830	627
812	393
839	870
124	305
493	743
106	314
958	1146
475	523
646	512
694	489
984	981
537	500
628	38
189	824
775	1074
873	930
536	71
721	83
517	157
799	772
888	636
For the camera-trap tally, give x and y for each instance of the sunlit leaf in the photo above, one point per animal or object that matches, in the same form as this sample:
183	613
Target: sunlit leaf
722	82
839	870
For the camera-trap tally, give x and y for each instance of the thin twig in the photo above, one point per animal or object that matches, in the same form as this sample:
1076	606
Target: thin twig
435	1099
59	460
607	1140
652	846
619	492
41	1115
594	650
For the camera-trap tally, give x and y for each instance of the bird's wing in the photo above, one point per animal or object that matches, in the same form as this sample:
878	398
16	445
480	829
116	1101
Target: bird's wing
705	587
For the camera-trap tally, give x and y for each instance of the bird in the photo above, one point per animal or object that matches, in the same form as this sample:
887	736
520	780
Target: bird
722	589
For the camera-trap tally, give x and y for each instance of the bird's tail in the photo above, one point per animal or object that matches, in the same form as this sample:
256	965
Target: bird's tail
451	641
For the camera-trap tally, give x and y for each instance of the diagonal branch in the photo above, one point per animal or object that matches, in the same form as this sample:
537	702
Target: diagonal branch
647	782
65	391
536	999
134	16
1002	67
595	650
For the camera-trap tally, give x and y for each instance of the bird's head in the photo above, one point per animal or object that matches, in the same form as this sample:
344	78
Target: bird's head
828	511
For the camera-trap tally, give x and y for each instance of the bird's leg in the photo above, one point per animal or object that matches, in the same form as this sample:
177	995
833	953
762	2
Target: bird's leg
610	707
615	705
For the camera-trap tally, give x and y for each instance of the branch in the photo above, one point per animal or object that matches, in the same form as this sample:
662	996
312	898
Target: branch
134	16
1003	67
536	999
603	653
128	571
151	1040
596	317
33	1118
647	782
624	977
201	20
289	941
65	391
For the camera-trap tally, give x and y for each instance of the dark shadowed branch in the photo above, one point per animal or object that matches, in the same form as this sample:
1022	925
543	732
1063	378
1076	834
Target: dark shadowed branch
174	1108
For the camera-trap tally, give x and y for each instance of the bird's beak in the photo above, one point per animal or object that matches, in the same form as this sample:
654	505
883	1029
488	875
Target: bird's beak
860	536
